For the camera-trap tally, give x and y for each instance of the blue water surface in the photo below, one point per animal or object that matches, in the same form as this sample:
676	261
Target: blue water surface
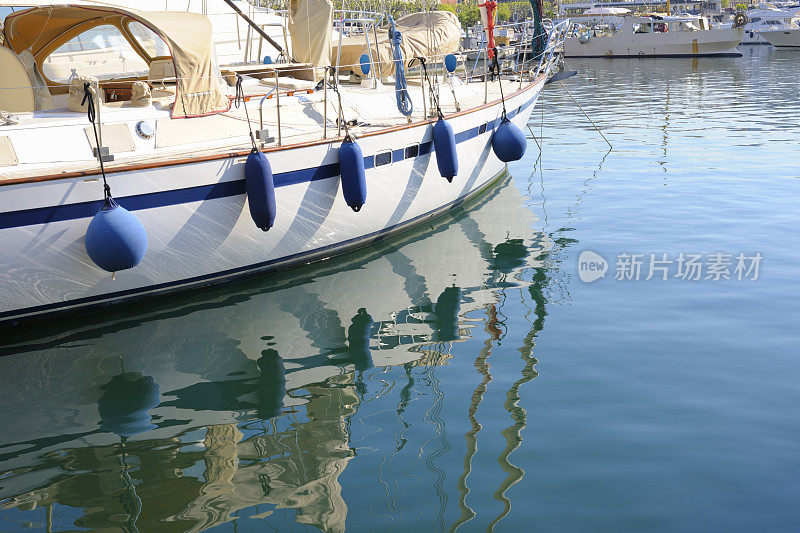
462	376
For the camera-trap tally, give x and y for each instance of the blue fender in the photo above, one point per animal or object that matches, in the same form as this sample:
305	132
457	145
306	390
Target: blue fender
444	143
508	142
358	340
115	239
447	308
354	179
271	385
126	403
260	189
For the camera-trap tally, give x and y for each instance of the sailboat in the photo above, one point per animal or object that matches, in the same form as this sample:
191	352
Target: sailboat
132	165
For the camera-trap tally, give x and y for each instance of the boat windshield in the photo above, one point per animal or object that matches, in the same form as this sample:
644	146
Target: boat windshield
101	52
151	43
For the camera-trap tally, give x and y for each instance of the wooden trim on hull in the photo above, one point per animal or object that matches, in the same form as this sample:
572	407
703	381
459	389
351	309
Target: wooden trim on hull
236	187
54	311
243	153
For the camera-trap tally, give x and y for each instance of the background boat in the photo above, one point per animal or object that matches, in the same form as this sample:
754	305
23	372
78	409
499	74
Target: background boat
655	36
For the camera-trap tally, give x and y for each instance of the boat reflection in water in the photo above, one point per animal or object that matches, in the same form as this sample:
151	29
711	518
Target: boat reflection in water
251	402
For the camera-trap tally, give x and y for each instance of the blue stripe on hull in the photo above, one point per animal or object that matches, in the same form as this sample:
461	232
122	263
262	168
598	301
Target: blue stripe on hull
45	215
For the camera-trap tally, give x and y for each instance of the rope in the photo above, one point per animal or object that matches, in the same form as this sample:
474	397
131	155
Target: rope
91	111
340	118
239	99
489	7
404	103
496	69
494	66
434	93
585	114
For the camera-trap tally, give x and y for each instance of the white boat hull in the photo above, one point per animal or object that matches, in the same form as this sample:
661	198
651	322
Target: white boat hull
676	44
199	227
767	19
753	38
782	38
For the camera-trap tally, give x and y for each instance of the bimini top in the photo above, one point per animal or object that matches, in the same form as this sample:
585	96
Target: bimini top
199	91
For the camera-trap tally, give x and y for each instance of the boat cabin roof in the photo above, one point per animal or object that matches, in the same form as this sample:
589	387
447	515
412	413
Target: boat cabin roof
187	37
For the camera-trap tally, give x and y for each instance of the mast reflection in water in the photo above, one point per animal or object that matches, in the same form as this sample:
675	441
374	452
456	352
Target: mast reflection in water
343	395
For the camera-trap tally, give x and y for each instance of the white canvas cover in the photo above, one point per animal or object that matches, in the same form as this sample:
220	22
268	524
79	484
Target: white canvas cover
16	90
424	34
230	33
310	25
199	92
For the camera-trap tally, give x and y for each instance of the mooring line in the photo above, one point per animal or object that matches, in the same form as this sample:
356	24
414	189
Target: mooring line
533	136
584	113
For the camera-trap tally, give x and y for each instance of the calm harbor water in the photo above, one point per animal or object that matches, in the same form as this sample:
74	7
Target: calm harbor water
463	376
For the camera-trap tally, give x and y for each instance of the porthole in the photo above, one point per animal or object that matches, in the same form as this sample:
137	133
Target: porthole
412	151
383	158
145	129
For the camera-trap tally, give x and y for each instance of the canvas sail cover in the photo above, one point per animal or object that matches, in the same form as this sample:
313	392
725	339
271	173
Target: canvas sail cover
199	91
310	25
424	34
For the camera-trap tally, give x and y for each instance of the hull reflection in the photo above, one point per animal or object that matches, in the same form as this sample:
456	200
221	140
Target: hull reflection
236	404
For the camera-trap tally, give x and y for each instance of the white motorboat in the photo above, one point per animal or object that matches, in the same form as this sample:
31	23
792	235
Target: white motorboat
785	38
766	19
171	141
655	36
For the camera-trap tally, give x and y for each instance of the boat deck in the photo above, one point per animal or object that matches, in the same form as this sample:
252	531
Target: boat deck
306	117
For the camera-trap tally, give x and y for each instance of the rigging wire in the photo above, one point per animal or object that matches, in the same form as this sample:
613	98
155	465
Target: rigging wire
91	111
340	118
433	92
240	99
